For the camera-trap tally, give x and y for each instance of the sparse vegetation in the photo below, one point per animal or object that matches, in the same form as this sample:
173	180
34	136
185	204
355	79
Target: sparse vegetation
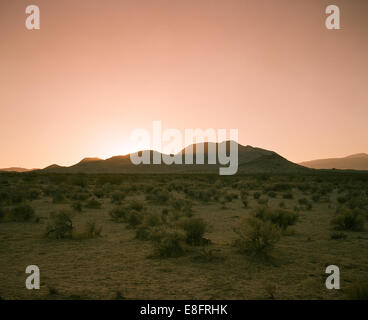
168	217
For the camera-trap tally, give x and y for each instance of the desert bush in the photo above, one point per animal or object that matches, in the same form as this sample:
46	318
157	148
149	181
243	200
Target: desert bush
347	219
256	195
257	237
93	204
93	230
245	202
158	196
135	205
60	225
272	194
117	197
182	205
17	197
119	213
337	235
23	213
262	201
143	233
305	203
281	218
77	206
288	195
58	197
341	199
34	194
134	218
2	214
99	193
170	244
153	219
194	229
80	196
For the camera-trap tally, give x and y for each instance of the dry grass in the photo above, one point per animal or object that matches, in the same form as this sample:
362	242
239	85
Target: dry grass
115	264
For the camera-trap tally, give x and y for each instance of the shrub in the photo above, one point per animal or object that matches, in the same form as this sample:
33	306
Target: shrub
288	195
152	219
272	194
143	233
135	205
133	218
60	225
58	197
262	201
158	196
256	195
117	197
118	214
257	237
194	229
349	220
337	235
34	194
77	206
170	245
23	213
305	202
93	204
281	218
93	230
2	214
182	205
245	203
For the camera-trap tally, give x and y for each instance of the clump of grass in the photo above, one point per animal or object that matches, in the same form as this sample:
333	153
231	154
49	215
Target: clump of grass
60	225
346	219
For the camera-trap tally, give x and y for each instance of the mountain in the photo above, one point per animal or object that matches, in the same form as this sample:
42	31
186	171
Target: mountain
250	160
357	161
17	169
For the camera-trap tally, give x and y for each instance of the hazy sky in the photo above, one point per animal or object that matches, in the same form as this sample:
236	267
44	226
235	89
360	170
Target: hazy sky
98	69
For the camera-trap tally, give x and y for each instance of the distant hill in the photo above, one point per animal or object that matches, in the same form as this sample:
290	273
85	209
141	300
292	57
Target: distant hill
17	169
251	160
357	161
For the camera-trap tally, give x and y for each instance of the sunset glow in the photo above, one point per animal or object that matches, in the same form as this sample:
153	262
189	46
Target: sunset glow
97	70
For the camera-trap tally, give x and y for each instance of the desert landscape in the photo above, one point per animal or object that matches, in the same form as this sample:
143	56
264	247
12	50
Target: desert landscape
184	236
183	150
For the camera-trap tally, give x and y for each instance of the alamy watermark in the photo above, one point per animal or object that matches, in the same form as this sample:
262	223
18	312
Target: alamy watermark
33	17
169	140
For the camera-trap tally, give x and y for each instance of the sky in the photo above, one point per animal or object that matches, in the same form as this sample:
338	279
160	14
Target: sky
96	70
